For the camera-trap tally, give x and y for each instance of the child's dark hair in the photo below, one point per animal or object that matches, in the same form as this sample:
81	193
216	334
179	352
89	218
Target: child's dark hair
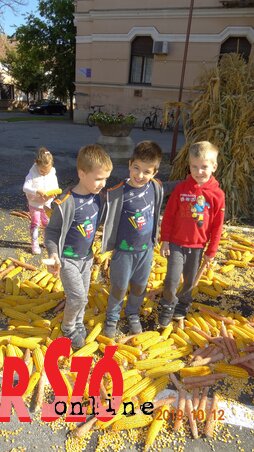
44	157
147	151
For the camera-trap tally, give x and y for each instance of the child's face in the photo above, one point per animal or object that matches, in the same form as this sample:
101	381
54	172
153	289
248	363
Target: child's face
201	169
93	181
44	169
141	173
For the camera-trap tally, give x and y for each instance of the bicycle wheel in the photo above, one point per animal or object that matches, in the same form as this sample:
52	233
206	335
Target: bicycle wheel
146	123
90	120
154	123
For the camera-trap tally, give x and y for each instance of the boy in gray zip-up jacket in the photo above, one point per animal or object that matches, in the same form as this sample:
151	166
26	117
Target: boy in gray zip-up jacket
131	230
70	235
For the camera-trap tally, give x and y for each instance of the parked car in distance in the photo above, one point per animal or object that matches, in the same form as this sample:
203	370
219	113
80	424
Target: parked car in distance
47	107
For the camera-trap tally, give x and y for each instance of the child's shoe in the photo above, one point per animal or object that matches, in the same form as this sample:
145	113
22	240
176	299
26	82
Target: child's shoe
77	341
81	329
134	324
36	247
166	315
110	328
181	310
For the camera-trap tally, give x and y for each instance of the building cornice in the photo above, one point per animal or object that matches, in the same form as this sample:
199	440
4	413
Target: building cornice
162	13
247	32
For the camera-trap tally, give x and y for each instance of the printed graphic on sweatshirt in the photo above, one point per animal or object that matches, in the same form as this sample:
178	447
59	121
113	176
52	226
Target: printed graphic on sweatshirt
198	210
80	236
137	217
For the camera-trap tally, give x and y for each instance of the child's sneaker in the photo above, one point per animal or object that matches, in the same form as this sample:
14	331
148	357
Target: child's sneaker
81	329
110	328
166	315
134	324
77	341
36	247
181	310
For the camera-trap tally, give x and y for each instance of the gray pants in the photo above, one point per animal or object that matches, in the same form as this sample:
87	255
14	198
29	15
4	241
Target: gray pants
75	276
128	268
181	260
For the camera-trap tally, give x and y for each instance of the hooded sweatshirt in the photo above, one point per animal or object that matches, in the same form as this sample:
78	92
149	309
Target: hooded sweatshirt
194	215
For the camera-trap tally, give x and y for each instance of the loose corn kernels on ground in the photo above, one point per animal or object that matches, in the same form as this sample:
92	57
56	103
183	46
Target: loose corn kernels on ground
218	329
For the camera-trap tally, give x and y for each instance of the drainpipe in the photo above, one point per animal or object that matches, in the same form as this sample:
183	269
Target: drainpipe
175	133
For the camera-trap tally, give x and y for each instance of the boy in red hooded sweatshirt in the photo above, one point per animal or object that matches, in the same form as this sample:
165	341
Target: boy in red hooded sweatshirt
193	219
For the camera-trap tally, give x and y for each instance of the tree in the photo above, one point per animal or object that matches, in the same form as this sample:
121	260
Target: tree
53	38
10	4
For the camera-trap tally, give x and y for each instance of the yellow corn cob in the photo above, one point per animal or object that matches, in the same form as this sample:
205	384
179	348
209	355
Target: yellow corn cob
194	292
239	332
29	291
44	281
159	384
129	382
38	359
179	353
217	287
227	268
155	427
239	255
210	274
233	371
33	330
192	371
15	272
241	239
58	318
210	320
10	350
49	287
16	285
24	307
151	341
87	350
208	291
150	363
44	307
32	383
202	323
236	263
33	285
221	282
247	256
36	278
54	192
94	333
249	331
167	331
97	319
136	389
5	264
178	339
159	352
57	286
18	352
8	285
133	350
197	338
56	331
233	254
204	282
68	384
30	343
158	270
185	336
2	355
42	323
13	314
105	340
129	422
159	371
132	359
192	320
142	337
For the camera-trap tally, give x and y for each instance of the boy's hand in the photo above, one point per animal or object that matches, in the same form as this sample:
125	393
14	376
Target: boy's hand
41	193
164	251
55	268
208	259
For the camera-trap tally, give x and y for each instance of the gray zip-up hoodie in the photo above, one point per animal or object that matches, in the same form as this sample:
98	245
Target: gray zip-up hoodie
61	221
115	206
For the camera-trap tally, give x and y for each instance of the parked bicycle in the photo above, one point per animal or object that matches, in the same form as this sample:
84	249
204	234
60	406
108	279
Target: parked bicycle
170	122
90	118
150	122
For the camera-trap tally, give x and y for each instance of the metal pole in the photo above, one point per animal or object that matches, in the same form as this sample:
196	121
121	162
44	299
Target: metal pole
175	133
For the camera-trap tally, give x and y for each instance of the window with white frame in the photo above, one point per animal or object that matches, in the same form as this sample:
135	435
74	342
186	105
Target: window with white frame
236	44
141	61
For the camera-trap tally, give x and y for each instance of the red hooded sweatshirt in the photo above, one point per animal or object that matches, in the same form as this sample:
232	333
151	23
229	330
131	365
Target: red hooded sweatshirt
194	215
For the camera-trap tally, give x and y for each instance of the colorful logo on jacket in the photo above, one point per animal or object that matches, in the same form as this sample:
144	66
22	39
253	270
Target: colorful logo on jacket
86	229
138	221
198	210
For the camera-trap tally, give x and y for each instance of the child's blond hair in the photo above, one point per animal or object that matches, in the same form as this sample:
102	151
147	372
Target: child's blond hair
93	156
44	157
147	151
204	150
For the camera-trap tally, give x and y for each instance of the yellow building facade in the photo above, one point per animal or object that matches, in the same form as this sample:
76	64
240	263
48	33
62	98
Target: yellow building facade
129	54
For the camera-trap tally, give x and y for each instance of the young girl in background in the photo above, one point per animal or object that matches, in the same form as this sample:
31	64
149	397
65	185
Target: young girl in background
40	179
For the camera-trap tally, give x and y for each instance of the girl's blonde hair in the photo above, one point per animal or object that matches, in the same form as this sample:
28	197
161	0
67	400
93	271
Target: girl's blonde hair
93	156
44	157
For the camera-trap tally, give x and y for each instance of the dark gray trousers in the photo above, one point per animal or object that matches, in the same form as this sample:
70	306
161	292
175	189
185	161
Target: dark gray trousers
181	260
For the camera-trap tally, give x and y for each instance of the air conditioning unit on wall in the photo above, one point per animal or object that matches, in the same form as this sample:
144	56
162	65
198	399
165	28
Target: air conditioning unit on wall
160	47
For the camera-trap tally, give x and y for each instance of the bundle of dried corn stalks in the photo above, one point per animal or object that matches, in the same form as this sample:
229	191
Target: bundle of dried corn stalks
224	115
